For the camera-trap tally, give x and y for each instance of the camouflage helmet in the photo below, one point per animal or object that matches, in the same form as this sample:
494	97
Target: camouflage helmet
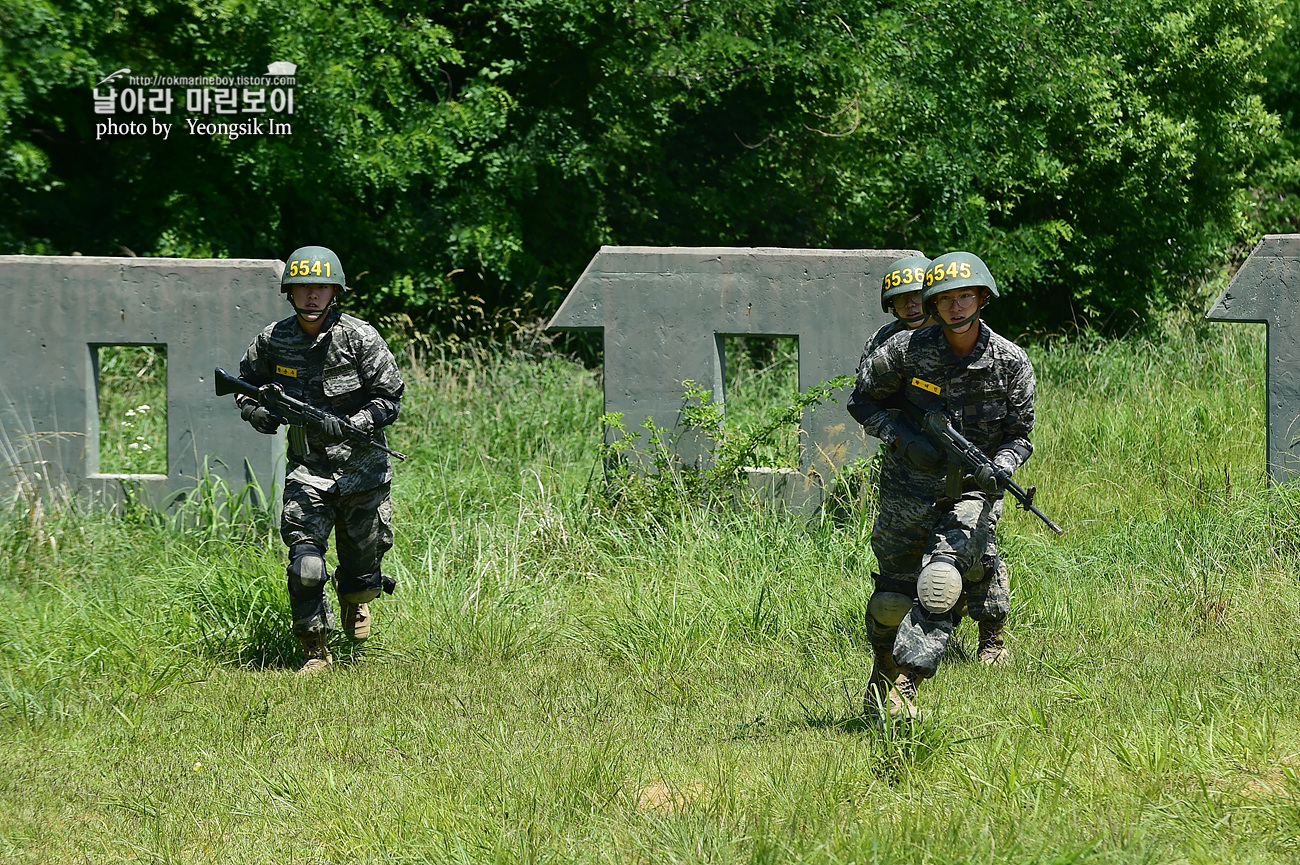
904	276
312	265
955	270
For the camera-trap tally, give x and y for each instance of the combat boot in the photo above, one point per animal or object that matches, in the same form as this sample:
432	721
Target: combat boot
902	698
316	650
356	620
884	674
991	650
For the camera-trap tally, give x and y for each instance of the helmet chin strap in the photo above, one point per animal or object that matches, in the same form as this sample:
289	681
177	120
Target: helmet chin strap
311	316
963	326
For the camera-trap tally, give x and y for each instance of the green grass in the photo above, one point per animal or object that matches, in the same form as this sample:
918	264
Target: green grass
554	681
132	409
763	373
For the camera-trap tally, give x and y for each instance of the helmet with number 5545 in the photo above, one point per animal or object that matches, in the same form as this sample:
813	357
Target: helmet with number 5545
312	265
955	270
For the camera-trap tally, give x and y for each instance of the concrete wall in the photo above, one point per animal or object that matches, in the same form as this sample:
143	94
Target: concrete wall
663	309
1266	290
57	310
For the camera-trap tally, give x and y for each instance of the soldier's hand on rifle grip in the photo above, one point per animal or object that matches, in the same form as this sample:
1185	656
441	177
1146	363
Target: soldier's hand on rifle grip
917	450
327	425
987	476
269	395
260	419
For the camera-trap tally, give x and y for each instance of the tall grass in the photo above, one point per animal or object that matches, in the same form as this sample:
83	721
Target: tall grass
556	680
132	409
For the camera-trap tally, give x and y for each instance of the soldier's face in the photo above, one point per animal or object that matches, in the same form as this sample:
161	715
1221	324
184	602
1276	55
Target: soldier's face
908	307
312	296
959	304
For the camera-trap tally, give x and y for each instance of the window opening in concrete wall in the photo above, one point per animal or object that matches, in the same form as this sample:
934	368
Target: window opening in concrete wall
132	393
761	373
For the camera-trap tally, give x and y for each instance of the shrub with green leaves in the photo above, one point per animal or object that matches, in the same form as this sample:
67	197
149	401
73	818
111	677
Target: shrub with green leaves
467	160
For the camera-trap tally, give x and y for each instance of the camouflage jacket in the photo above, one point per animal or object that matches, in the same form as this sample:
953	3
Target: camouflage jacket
879	338
988	395
347	368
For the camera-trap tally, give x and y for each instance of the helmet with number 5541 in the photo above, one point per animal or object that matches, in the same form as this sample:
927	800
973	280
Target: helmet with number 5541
312	265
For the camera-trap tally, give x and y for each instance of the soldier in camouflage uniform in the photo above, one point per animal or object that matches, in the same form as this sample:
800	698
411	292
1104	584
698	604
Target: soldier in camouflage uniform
900	296
340	364
933	538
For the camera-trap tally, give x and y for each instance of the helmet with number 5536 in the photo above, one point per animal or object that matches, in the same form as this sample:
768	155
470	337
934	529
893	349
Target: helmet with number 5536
955	270
312	265
903	277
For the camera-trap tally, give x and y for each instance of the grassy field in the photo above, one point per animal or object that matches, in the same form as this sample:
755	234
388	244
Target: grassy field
558	679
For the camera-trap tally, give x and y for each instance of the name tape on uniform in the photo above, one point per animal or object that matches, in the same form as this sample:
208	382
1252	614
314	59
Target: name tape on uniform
925	385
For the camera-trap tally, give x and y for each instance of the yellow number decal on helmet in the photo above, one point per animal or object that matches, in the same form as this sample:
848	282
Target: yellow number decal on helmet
920	275
327	269
952	269
965	270
907	276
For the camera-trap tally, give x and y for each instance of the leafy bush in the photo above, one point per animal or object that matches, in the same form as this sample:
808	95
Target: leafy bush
467	160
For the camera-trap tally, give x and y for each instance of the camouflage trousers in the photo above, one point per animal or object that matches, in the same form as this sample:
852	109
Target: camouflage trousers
908	533
363	529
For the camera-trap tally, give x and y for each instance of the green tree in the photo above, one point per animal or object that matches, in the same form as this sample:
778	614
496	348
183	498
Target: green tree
1275	179
470	158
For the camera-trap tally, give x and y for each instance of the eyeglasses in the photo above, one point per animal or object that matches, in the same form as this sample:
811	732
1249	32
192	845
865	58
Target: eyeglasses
912	298
961	300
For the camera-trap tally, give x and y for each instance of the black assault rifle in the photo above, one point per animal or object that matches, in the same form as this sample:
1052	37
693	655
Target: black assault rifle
963	453
289	410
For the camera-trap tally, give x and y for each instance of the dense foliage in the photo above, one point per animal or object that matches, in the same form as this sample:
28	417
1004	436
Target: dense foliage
469	158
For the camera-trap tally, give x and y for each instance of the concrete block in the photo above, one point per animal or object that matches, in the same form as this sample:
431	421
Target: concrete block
663	311
1266	290
59	309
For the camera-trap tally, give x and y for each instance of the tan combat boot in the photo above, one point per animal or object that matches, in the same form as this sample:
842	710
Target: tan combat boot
356	620
316	650
902	698
991	650
884	674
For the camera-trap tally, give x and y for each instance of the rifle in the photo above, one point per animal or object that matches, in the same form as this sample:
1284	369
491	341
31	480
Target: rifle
289	410
960	451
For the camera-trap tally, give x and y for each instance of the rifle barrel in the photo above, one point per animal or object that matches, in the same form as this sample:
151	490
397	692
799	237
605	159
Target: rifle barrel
960	450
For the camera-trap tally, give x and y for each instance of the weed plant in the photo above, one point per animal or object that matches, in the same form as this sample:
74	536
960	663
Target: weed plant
557	679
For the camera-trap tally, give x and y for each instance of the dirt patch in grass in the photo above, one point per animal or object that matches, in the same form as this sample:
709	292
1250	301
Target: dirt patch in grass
665	798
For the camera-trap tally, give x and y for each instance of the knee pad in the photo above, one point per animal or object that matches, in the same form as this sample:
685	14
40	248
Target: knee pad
888	608
357	588
939	586
307	569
